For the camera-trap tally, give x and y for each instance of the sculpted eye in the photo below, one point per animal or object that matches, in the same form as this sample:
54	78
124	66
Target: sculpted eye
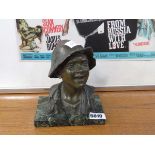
70	66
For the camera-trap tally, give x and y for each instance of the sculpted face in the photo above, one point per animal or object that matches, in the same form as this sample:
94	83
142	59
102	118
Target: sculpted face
76	71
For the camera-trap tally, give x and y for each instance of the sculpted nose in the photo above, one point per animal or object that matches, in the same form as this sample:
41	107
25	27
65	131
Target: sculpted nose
80	68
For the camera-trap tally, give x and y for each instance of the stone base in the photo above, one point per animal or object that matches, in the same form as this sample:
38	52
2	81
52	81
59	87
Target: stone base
49	120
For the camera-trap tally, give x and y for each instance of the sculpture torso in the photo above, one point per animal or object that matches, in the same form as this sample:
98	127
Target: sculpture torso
55	112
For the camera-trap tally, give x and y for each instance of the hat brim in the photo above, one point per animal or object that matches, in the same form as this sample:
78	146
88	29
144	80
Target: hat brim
88	51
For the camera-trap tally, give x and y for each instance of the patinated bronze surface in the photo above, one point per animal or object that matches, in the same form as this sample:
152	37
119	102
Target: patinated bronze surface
70	102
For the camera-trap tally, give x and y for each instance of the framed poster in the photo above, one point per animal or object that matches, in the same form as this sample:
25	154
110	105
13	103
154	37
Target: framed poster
113	39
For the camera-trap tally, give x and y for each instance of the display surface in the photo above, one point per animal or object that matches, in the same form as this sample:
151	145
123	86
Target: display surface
70	102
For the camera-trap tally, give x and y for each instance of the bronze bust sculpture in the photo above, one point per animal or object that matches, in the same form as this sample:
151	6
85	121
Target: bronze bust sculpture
70	102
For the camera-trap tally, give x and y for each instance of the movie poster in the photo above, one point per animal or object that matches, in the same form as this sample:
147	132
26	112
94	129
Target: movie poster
110	38
38	37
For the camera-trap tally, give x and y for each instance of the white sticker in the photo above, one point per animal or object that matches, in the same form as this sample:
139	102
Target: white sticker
97	115
71	44
100	29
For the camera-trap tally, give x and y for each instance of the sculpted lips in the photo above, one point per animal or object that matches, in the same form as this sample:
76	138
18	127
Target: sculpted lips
80	77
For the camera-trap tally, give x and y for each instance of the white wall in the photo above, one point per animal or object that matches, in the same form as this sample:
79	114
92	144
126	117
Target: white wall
16	74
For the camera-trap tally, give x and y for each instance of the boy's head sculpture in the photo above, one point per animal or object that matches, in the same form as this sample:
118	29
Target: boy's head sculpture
72	63
71	101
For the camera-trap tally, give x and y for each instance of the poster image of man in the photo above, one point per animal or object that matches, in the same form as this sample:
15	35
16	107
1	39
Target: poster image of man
30	36
145	38
146	27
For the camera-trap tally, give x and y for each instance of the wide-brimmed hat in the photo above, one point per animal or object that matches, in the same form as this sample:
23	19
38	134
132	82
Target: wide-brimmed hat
63	51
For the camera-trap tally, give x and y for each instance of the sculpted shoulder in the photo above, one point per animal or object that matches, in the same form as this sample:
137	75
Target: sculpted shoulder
90	89
53	90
